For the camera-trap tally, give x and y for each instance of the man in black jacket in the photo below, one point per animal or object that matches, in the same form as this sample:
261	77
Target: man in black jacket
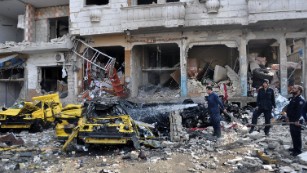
294	113
265	104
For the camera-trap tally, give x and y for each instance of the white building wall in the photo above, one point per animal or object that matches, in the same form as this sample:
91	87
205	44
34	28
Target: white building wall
109	17
114	17
37	61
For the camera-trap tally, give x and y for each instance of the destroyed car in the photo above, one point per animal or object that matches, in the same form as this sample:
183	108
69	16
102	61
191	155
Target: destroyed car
100	124
67	120
35	115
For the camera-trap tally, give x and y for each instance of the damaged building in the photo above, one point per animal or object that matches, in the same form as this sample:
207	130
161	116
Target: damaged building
154	49
35	50
181	46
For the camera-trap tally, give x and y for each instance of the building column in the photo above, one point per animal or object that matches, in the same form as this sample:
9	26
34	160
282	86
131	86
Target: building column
283	67
133	70
29	23
128	68
243	66
183	69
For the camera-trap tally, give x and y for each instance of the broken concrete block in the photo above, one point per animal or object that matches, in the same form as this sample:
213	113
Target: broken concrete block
285	169
303	158
255	135
154	159
296	167
209	148
287	160
220	73
272	145
267	167
235	79
243	130
235	161
286	147
10	139
244	140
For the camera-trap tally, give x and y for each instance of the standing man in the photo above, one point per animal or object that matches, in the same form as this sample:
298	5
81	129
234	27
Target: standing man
265	104
294	113
304	112
213	104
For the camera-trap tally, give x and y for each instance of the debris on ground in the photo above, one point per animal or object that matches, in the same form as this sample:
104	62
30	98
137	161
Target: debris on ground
181	141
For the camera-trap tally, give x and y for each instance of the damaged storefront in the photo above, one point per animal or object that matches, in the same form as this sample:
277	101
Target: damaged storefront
178	65
50	66
234	65
52	76
264	63
12	72
213	65
102	67
156	72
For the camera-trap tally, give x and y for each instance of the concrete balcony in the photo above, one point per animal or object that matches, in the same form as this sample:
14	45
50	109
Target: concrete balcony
154	15
266	10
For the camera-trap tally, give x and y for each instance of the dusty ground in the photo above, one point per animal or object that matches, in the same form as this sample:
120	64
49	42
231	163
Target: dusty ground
202	153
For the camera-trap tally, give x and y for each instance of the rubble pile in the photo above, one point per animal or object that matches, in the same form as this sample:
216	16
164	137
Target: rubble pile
35	152
199	151
25	44
157	92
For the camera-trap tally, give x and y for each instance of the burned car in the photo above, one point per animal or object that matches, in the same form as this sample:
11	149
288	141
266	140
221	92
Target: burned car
33	115
103	123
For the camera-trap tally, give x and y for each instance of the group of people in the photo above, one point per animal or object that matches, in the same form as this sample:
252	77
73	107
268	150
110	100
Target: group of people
295	112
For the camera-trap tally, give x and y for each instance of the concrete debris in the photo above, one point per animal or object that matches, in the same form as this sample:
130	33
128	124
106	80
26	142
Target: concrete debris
25	44
303	158
285	169
194	150
11	139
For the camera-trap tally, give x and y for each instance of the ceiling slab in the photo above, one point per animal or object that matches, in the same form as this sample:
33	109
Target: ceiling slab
12	8
46	3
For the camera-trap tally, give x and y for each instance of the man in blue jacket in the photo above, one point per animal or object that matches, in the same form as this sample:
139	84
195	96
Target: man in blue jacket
265	104
295	110
214	105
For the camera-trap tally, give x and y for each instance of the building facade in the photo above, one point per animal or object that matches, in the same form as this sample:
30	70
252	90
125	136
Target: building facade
162	42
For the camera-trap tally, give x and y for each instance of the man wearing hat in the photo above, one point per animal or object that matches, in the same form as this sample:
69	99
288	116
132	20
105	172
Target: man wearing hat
295	111
265	104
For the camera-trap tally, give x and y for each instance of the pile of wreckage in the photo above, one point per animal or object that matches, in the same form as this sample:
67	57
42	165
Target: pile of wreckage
169	129
260	70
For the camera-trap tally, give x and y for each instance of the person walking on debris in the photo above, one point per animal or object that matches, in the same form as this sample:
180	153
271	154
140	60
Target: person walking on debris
294	112
265	104
213	104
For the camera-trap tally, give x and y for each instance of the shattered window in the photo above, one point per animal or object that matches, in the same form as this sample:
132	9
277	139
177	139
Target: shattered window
144	2
97	2
58	27
54	80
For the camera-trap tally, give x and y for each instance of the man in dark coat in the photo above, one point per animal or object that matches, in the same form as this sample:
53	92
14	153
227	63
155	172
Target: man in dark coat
304	112
295	112
265	104
214	105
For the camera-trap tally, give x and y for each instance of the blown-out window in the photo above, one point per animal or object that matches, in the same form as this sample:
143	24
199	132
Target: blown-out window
96	2
144	2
